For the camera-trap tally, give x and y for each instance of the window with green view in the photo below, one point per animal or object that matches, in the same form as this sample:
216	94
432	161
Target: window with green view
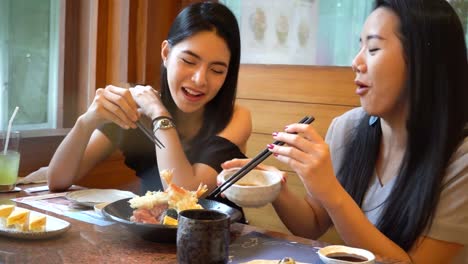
28	62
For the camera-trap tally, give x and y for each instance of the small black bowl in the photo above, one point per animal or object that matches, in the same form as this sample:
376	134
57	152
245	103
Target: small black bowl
120	211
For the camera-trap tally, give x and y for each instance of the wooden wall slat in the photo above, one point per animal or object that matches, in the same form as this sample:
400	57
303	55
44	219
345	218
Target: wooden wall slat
150	22
306	84
117	41
273	116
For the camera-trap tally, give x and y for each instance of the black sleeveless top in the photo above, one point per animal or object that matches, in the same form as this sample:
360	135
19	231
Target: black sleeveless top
140	155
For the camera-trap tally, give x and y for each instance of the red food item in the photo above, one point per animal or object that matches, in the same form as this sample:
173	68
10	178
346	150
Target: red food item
149	216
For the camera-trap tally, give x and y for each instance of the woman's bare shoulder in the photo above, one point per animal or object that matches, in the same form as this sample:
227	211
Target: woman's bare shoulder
239	128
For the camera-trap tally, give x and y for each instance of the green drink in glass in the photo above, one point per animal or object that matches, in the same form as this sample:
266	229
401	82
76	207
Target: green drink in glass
9	165
9	161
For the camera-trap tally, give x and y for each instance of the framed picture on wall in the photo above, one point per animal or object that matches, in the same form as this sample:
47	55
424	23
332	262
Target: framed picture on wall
306	32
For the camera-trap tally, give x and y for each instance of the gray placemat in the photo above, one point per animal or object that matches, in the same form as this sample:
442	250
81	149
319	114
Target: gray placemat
255	245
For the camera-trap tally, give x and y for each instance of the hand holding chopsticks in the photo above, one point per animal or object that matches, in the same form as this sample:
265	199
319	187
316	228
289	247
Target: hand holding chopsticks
252	164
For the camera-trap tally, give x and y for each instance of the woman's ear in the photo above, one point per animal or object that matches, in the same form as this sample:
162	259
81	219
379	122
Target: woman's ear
165	48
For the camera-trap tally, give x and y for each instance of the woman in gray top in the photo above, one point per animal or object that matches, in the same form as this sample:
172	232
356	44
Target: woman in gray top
391	176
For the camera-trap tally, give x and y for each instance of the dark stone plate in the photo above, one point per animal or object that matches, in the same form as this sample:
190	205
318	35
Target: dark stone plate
120	211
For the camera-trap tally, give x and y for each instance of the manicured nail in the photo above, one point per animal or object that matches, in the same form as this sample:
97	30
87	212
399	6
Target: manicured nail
286	128
275	154
270	146
274	134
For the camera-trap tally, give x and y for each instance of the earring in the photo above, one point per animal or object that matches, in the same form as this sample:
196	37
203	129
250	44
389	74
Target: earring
373	120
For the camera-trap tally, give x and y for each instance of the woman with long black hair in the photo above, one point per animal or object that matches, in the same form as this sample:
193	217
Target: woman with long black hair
193	112
392	175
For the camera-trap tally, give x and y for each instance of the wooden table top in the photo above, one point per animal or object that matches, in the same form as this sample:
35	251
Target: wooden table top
88	243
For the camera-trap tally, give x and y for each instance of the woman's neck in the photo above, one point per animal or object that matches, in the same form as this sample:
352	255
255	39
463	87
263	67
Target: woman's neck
392	148
188	124
394	131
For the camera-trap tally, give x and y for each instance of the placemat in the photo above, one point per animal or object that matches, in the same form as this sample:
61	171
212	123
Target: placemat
254	245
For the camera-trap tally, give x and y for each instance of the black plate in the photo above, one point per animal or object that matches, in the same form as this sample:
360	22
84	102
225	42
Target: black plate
121	212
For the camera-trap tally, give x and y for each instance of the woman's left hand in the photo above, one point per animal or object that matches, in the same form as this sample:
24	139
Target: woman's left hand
149	101
309	156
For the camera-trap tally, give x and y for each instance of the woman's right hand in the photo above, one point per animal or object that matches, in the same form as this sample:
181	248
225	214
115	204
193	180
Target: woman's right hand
112	104
238	163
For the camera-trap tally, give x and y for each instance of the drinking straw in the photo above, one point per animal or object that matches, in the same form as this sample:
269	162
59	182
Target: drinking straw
9	130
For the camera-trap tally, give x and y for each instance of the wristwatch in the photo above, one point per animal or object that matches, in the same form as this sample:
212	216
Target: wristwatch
163	122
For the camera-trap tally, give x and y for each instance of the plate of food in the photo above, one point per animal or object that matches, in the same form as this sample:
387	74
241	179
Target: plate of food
154	215
91	197
18	222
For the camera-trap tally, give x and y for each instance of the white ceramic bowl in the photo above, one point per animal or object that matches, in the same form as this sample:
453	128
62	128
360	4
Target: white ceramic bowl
256	189
329	255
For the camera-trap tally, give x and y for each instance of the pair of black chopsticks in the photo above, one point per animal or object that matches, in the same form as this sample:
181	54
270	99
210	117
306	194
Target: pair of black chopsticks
150	135
252	164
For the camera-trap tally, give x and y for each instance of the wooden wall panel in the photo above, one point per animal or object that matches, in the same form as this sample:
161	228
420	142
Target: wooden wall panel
150	21
118	39
273	116
278	95
305	84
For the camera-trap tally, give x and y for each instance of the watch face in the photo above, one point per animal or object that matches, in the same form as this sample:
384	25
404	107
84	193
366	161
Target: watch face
165	122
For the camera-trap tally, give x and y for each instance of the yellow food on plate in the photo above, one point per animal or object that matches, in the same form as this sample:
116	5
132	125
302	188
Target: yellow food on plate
19	218
37	223
5	211
169	220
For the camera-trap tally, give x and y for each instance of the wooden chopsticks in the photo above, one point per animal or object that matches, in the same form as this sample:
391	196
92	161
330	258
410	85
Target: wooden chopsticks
252	164
150	135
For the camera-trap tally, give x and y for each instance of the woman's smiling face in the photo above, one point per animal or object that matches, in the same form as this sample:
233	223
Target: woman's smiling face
380	66
196	69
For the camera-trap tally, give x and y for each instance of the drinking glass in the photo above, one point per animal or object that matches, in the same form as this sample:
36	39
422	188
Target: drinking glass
202	237
9	161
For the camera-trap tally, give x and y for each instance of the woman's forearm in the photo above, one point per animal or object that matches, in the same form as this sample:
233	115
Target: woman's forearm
172	157
356	230
297	215
65	164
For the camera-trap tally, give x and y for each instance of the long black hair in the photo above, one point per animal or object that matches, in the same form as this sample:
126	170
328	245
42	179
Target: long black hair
215	17
436	84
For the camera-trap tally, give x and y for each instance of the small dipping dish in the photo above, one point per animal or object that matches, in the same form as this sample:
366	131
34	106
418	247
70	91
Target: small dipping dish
337	254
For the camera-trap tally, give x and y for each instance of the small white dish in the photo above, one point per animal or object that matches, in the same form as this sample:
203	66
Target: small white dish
256	189
54	227
337	254
91	197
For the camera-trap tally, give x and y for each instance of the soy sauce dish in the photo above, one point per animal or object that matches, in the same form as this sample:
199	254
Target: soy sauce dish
345	255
